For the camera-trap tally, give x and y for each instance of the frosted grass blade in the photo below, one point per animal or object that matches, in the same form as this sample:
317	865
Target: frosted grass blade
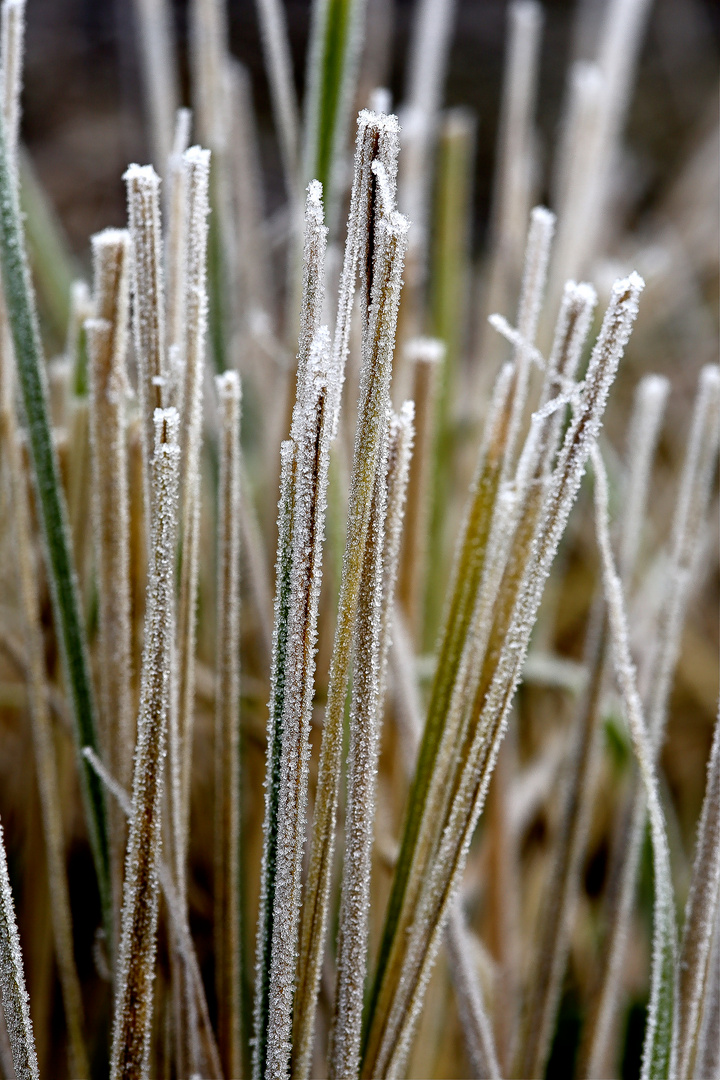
52	511
12	982
701	916
227	731
659	1051
136	959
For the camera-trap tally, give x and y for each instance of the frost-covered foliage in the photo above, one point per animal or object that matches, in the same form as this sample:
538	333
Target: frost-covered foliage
361	831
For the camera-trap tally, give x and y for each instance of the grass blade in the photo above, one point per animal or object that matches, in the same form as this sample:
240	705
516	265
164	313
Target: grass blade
52	512
12	982
136	960
227	732
333	56
661	1029
700	918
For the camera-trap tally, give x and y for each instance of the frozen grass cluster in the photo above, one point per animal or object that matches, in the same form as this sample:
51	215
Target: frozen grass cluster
309	818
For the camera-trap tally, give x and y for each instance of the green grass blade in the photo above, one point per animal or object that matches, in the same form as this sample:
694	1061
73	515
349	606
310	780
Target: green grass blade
333	55
52	511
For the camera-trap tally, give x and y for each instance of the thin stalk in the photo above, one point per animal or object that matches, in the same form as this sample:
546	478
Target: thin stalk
107	346
227	732
514	158
46	766
425	355
52	510
563	882
708	1051
365	706
333	56
159	72
660	1048
474	1018
15	1000
278	65
476	1024
701	916
301	516
176	203
136	959
148	292
196	168
177	916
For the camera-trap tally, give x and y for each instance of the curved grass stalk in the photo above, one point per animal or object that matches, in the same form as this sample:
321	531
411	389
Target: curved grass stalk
659	1051
136	960
52	510
691	508
701	916
12	982
557	915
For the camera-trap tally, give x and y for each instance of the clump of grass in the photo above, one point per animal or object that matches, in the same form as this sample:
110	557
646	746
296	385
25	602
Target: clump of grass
368	854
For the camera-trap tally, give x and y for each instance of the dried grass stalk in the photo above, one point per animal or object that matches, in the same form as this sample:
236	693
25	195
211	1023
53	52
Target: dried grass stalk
196	177
136	959
701	916
227	732
107	347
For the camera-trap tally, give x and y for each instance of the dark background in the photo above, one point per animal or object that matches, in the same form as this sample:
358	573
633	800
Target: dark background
84	117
